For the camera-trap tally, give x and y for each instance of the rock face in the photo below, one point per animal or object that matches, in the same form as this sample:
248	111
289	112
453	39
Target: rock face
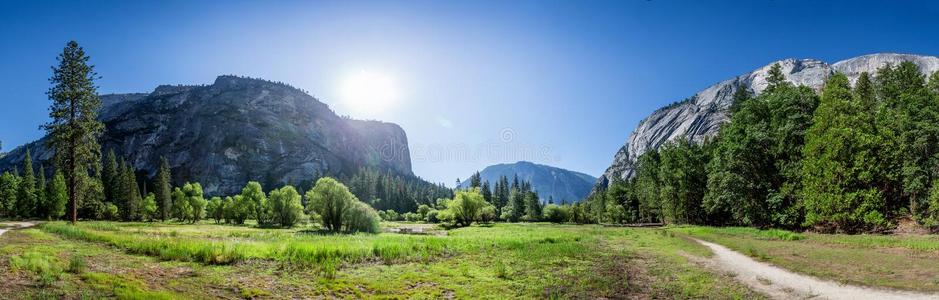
239	129
701	115
548	181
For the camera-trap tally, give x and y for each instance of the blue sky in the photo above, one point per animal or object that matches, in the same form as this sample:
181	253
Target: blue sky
478	82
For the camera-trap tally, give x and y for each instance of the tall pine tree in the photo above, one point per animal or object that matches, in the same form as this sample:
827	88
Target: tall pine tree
74	130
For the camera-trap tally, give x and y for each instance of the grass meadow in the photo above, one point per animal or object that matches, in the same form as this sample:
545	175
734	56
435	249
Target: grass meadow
201	261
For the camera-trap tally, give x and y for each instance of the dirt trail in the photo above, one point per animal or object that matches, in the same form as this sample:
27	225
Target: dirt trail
779	283
18	225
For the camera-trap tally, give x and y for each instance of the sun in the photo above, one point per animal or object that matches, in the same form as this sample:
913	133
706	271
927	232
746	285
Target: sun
369	91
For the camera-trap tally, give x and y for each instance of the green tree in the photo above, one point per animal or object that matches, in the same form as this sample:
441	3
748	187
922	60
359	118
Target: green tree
840	161
532	207
260	208
193	192
181	208
908	127
42	201
26	198
74	130
215	209
466	207
684	181
110	177
148	208
9	188
285	203
646	187
336	206
129	201
163	189
754	174
58	195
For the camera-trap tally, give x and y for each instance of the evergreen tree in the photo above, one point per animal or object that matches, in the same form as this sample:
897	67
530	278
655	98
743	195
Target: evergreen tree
110	177
130	194
9	188
684	182
26	199
486	191
42	202
163	190
475	180
58	195
532	206
840	161
74	130
646	186
908	126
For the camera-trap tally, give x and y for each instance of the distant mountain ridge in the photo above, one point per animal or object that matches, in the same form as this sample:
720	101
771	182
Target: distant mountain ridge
548	181
701	115
235	130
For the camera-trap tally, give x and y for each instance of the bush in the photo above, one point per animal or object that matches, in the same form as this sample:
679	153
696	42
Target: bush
412	217
431	216
556	214
111	211
362	217
339	209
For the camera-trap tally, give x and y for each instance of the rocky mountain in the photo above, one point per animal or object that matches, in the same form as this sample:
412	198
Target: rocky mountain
700	115
548	181
239	129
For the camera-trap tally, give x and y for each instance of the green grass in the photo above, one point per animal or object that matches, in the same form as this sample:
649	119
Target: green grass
906	262
520	261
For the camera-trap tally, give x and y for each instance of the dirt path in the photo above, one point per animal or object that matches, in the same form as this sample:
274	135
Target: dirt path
17	225
779	283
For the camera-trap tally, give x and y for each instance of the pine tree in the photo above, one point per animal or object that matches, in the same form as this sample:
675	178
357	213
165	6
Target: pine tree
9	188
26	199
774	77
131	191
58	195
110	177
163	190
42	202
839	166
486	191
74	129
475	180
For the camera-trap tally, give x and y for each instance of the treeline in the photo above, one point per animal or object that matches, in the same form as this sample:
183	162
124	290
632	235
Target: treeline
390	191
850	159
513	201
31	195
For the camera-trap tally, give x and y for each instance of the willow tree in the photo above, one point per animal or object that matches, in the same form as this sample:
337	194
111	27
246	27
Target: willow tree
74	129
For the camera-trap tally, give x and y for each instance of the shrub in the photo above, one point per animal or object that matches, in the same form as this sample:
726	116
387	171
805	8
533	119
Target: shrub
431	216
111	211
339	209
556	213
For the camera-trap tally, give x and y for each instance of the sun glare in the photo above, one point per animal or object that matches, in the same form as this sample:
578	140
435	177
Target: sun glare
369	92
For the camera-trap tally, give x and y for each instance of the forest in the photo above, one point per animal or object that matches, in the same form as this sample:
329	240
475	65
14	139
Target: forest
852	158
